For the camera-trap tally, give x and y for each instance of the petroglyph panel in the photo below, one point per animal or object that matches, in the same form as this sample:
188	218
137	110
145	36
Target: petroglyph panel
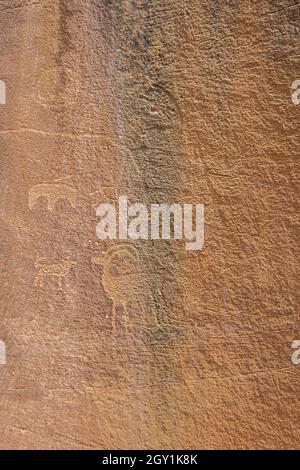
143	345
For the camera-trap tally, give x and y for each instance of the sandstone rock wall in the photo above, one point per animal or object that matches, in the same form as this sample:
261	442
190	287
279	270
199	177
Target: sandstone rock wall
163	101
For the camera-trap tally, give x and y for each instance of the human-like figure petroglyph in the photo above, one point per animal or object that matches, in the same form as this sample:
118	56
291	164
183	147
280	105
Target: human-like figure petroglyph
56	271
121	277
2	92
2	353
53	192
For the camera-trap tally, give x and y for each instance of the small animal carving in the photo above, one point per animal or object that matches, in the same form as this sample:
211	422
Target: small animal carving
2	92
53	192
55	271
119	275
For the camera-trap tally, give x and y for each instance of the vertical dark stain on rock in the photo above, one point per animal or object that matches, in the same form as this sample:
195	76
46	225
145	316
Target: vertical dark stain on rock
144	39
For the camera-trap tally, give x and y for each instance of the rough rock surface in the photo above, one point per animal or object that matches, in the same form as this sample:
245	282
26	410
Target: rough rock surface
164	101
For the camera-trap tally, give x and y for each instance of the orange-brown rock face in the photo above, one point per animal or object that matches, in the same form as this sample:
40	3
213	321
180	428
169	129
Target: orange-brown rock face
162	101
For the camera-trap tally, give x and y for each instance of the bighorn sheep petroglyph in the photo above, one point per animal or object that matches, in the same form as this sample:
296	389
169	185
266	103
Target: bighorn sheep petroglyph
120	277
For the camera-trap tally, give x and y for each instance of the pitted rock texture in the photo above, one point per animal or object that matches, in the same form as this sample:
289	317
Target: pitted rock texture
144	345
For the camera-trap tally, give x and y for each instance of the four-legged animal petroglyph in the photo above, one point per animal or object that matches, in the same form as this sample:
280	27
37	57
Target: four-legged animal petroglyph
119	268
53	192
56	271
120	279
